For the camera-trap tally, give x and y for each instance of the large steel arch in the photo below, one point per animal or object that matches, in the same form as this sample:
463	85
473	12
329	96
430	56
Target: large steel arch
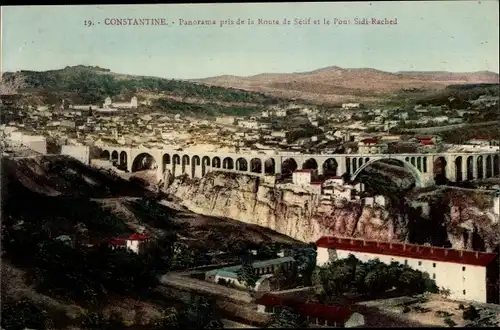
419	182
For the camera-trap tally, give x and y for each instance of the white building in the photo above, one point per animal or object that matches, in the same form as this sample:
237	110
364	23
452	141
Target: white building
302	177
317	315
352	106
108	103
371	146
248	124
281	113
264	269
496	204
82	153
36	143
464	273
335	188
135	242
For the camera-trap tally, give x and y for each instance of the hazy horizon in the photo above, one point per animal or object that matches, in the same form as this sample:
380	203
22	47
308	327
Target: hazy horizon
447	36
296	72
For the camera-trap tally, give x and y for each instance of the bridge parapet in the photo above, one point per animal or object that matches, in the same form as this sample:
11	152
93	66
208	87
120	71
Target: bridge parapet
476	164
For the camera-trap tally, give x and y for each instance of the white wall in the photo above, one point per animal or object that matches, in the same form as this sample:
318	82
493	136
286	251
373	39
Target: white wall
37	143
496	205
82	153
455	277
231	280
301	178
133	245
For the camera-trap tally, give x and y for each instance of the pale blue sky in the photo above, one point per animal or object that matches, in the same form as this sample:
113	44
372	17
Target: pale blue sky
450	35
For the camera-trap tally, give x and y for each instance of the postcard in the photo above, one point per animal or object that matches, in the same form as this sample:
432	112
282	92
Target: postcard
250	165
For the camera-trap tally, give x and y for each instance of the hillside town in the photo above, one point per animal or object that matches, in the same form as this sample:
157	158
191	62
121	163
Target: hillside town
365	130
232	175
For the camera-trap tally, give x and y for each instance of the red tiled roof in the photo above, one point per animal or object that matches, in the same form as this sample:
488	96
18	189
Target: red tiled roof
138	237
424	137
117	241
304	171
474	258
369	141
337	314
426	142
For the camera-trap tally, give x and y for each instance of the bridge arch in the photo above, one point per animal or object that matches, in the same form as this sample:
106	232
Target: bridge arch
470	168
165	160
143	161
458	169
310	164
205	163
479	164
419	182
496	165
288	166
489	167
216	162
228	163
256	165
114	156
330	167
176	161
241	164
185	163
195	161
270	166
123	159
105	155
440	166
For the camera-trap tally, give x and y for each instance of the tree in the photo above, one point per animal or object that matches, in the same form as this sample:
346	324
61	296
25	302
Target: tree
305	260
470	313
199	313
12	85
22	314
246	274
286	318
286	277
169	320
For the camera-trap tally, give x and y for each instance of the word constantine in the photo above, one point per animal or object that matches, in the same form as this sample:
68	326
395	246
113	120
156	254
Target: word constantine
250	21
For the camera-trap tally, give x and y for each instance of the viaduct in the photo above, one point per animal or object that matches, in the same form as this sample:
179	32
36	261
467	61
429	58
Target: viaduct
457	166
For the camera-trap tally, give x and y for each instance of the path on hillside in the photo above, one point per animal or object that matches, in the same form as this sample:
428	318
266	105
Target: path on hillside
183	281
438	129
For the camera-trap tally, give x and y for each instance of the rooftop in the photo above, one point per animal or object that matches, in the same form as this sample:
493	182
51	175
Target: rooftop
257	264
326	312
474	258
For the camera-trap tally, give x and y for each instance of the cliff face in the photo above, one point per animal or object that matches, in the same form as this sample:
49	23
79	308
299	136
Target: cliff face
462	220
292	211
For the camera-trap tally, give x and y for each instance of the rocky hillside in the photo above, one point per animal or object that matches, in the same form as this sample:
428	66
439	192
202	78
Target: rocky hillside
57	271
335	84
298	213
91	85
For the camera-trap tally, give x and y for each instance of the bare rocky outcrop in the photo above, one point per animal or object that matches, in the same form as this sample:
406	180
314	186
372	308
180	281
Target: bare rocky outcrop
298	213
289	210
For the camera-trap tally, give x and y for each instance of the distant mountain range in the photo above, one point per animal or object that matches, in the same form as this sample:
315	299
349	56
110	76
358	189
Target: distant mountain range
335	84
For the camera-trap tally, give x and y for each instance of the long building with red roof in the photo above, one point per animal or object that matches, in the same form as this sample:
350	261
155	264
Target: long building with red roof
462	272
315	313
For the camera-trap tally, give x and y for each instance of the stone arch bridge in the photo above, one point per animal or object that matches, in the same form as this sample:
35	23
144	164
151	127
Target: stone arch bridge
457	166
